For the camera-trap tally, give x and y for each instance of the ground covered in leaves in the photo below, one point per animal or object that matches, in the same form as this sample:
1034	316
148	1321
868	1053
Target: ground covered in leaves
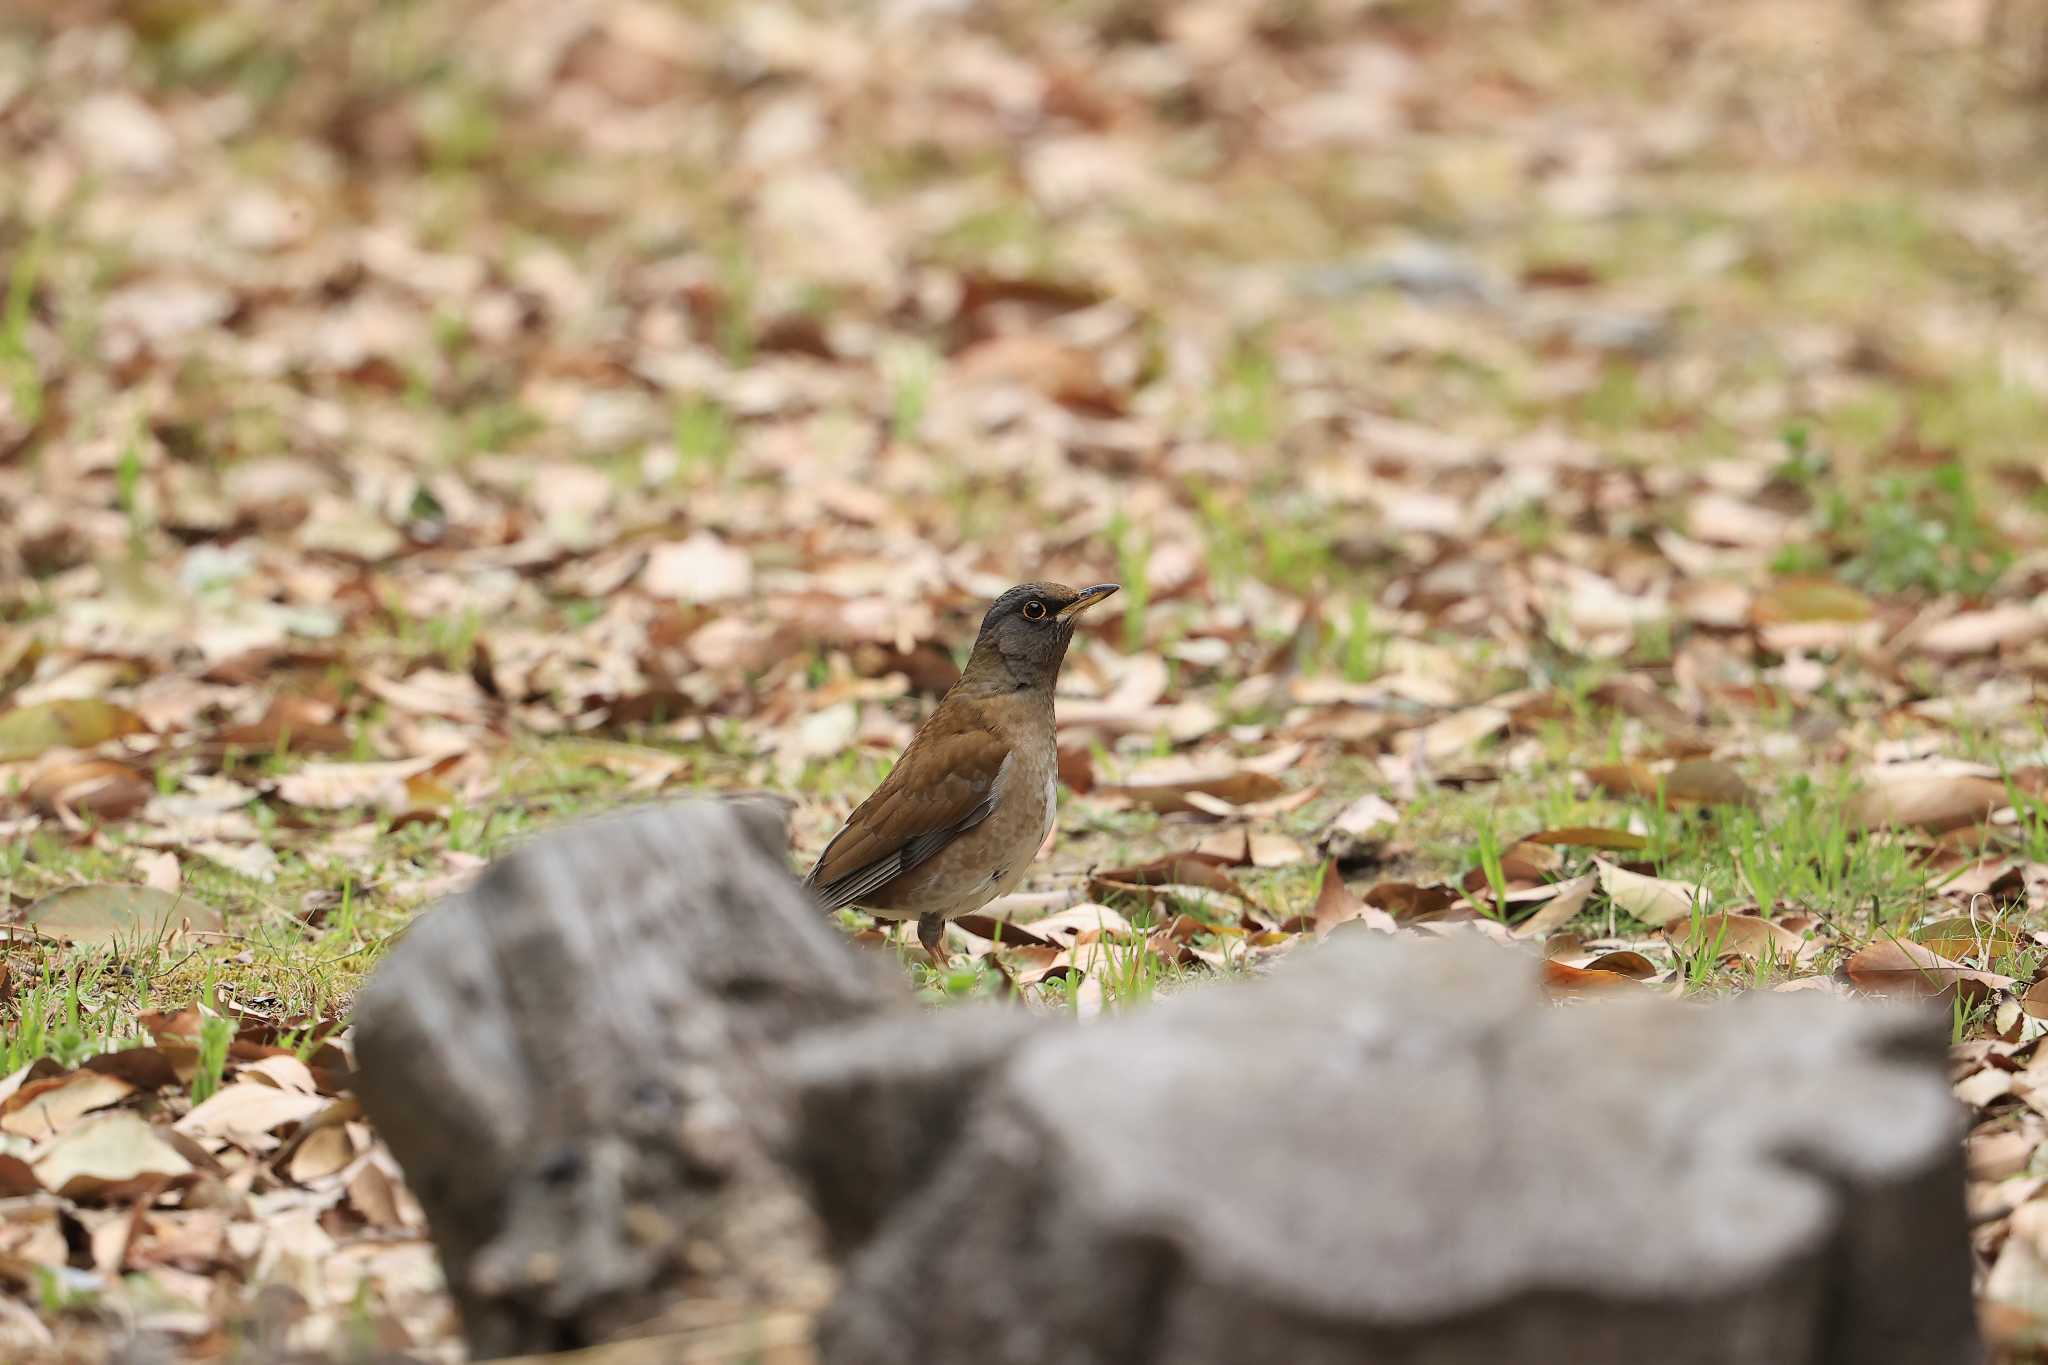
1574	470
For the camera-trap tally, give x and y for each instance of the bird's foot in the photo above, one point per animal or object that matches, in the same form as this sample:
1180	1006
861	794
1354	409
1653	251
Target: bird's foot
931	932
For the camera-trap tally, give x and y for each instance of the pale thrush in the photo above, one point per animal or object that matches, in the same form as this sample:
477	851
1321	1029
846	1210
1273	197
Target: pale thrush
958	820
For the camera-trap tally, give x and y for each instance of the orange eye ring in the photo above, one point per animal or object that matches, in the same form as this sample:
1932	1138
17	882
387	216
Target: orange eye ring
1034	610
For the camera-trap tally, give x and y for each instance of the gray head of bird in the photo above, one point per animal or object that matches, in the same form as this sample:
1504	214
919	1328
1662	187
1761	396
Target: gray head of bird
1025	635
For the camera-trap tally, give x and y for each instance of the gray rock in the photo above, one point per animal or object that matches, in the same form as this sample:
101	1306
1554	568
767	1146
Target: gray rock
570	1063
1399	1152
1433	271
636	1065
880	1106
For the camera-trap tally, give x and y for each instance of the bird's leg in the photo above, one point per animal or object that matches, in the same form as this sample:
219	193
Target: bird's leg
931	932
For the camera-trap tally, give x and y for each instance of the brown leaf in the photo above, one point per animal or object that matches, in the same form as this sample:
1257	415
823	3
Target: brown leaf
1624	962
118	913
1653	900
1335	905
294	723
1175	869
1750	937
1563	907
93	786
1572	982
326	1151
1065	373
1365	815
1802	600
1707	781
1408	901
1166	795
245	1113
373	1197
108	1157
999	930
1077	768
42	1109
336	786
1623	779
65	723
1934	804
1963	938
1696	781
1980	632
1901	967
1580	836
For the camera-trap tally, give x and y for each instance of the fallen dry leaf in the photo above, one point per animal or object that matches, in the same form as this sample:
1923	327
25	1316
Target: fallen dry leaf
95	786
114	913
1578	836
1750	937
1893	966
1180	869
1933	804
1572	982
108	1157
1653	900
1564	906
65	723
245	1114
42	1109
1335	905
1696	781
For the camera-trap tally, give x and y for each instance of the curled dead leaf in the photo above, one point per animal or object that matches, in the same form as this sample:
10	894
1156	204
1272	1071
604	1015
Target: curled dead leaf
93	786
1573	982
1570	897
1625	962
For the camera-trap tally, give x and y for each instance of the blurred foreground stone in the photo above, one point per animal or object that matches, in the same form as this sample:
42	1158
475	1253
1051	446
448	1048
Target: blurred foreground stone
601	1067
569	1062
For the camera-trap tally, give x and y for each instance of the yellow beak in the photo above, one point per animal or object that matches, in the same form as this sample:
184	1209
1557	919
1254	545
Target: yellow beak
1088	598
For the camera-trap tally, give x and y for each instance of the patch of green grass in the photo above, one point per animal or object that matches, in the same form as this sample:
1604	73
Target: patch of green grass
1905	530
910	369
1133	568
703	434
460	125
18	365
216	1032
1247	409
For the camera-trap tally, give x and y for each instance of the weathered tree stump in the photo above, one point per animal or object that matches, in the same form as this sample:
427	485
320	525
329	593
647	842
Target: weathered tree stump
635	1066
1395	1152
568	1061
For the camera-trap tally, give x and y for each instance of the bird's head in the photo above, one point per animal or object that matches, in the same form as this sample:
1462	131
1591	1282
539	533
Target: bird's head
1025	635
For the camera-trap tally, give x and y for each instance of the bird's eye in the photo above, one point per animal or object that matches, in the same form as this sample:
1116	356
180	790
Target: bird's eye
1034	610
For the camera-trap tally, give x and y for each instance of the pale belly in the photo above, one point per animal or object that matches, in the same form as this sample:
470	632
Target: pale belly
990	860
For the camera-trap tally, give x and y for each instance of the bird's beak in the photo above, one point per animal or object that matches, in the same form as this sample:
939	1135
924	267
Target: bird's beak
1088	598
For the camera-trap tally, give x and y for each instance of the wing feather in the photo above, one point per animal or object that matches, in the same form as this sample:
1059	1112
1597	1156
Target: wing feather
947	782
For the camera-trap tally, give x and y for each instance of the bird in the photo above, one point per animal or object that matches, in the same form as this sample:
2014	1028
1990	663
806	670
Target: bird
971	800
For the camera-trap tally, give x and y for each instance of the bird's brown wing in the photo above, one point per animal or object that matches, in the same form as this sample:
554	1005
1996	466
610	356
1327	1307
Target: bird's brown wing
946	783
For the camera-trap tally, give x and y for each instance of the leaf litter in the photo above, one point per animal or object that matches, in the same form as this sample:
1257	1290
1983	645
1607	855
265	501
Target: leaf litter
529	418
